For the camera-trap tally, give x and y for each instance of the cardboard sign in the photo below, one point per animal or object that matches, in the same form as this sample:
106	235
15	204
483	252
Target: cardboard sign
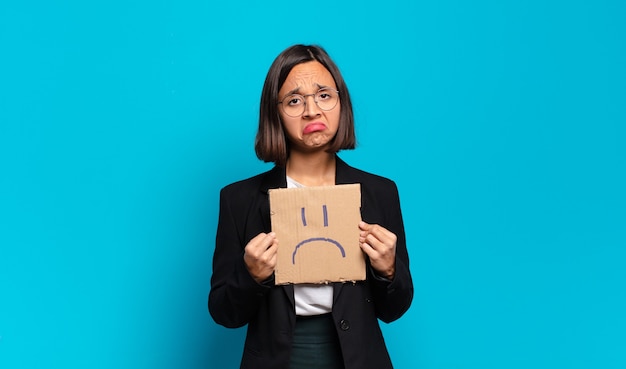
318	233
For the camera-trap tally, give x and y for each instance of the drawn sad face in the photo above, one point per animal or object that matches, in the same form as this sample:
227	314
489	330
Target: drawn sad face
317	228
313	240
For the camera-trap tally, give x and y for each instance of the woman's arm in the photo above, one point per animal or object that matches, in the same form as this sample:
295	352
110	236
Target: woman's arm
390	277
235	295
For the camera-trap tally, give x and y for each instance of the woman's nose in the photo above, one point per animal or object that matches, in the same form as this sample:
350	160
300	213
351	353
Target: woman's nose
310	106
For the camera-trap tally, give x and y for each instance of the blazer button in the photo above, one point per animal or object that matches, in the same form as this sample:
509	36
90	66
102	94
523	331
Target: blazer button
344	325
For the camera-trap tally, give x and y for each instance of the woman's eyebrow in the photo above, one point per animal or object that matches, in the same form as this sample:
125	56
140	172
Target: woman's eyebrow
297	89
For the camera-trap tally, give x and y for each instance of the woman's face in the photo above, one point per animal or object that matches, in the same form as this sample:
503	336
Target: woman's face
314	128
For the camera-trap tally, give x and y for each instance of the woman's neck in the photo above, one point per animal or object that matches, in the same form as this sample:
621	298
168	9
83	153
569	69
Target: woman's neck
312	169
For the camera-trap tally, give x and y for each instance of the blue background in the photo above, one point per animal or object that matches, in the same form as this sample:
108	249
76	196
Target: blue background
501	122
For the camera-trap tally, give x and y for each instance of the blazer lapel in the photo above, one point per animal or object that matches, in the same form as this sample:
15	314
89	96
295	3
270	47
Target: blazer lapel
275	178
343	175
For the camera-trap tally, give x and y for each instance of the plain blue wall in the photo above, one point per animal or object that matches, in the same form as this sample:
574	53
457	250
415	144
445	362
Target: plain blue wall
501	122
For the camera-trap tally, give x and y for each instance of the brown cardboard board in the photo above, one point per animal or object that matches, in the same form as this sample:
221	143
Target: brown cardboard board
318	234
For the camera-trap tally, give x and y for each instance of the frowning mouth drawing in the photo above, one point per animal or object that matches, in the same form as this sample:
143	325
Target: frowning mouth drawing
315	239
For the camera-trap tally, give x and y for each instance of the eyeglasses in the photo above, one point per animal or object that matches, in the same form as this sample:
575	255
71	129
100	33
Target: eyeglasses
326	99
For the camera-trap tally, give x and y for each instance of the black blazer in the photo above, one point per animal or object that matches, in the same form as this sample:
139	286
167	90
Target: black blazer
236	299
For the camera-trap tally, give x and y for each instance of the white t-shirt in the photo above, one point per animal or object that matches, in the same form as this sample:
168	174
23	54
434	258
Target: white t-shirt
311	299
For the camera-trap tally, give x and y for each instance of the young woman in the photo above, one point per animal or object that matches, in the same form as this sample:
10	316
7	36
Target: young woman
305	120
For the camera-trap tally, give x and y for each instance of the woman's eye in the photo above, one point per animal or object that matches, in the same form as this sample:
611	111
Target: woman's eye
325	94
294	100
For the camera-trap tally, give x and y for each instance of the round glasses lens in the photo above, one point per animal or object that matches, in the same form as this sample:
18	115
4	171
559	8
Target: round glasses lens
326	99
293	105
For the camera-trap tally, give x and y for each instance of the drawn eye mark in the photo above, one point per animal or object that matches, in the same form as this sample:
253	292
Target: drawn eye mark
322	239
324	210
303	215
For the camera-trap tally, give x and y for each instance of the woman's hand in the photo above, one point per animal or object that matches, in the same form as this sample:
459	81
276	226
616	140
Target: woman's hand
260	256
380	245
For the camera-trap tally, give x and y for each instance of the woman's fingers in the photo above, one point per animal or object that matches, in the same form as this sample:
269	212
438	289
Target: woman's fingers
380	246
260	255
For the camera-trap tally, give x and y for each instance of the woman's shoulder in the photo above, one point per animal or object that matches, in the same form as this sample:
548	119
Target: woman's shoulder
258	181
244	183
353	174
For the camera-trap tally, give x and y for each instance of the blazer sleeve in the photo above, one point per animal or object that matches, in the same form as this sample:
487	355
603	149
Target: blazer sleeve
392	298
235	296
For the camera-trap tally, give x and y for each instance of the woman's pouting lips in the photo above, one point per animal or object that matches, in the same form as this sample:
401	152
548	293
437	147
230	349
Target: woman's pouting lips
314	127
